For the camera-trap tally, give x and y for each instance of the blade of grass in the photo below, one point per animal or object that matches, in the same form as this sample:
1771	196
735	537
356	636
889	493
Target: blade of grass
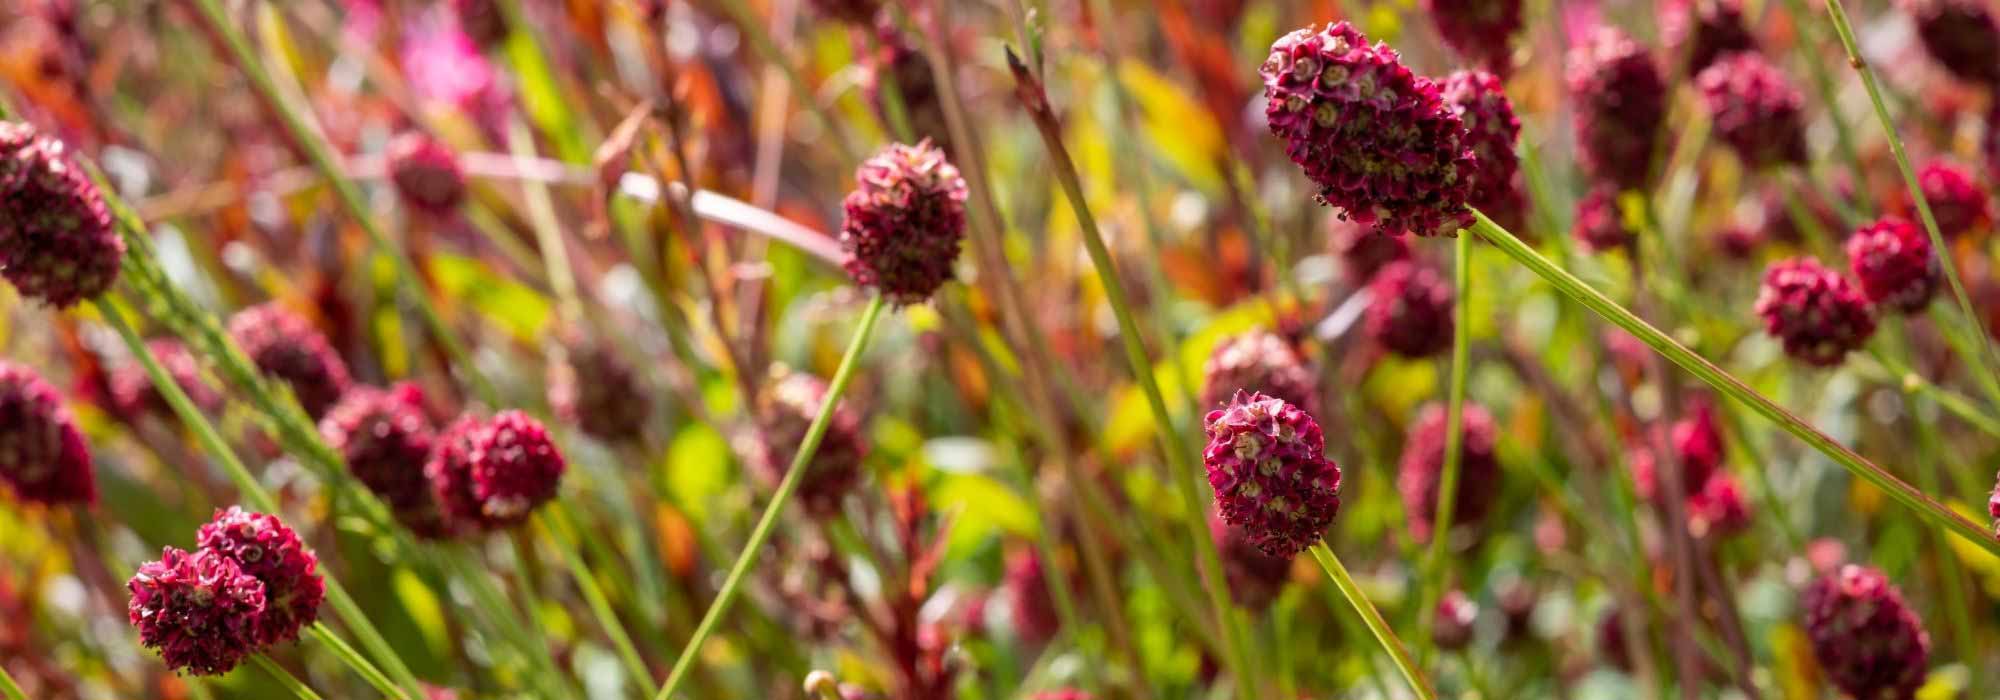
593	596
1437	567
8	688
1336	571
285	678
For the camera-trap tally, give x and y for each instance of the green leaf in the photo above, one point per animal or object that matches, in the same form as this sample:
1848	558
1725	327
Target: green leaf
697	468
522	311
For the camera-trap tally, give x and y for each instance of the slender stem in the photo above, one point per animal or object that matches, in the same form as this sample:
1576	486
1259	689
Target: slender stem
1380	627
1959	405
1734	388
600	606
1437	567
285	678
1822	79
9	689
800	462
353	659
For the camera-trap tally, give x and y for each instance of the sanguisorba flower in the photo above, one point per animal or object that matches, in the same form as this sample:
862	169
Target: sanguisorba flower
896	62
426	174
287	347
904	222
1410	310
788	405
1816	313
1420	471
1706	30
1491	131
57	242
1599	225
1267	462
1755	110
199	610
42	454
598	391
270	551
1866	638
1259	361
493	473
1961	34
1482	31
1892	259
1621	102
1378	140
385	437
1255	578
1958	203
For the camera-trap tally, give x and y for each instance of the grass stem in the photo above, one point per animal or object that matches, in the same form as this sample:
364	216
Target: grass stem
1376	625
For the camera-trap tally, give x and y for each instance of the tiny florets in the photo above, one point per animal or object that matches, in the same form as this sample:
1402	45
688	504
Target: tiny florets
385	438
1816	313
1421	469
788	406
515	467
1255	578
269	550
42	454
598	391
1378	140
1620	106
1961	34
1866	638
449	471
1599	225
1261	362
1479	30
1491	131
57	242
426	173
287	347
904	223
1755	110
1892	259
1706	30
1410	310
1267	462
1957	202
199	611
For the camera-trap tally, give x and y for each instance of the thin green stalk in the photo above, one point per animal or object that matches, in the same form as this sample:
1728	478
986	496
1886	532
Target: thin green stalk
8	688
217	21
1734	388
1380	627
285	678
1437	567
1912	382
800	462
1843	136
599	606
340	648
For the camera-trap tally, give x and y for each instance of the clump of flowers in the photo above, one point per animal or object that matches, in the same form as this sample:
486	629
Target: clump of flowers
1892	259
1421	468
1255	578
788	406
1599	225
268	550
1410	310
1479	30
1262	362
385	438
1756	110
1362	251
1816	313
1866	638
199	611
1378	140
426	174
1491	131
1267	462
904	222
287	347
42	454
1958	203
493	473
598	391
1961	34
132	392
1621	102
57	242
1707	30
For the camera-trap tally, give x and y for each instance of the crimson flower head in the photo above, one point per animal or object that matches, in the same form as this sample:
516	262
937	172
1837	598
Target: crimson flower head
199	611
1756	110
1379	140
1410	310
1421	469
1599	225
1961	34
1719	508
57	242
1362	251
1867	640
1027	591
270	551
1491	131
1815	312
1707	30
1621	103
132	392
1893	260
1958	203
1255	578
42	454
905	221
426	173
1479	30
896	62
493	473
1267	463
1262	362
598	391
287	347
788	406
1697	442
385	438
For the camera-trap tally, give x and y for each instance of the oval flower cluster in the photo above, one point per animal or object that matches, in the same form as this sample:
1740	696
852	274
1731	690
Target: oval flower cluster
1262	362
1621	104
1817	314
43	458
1482	31
1410	310
1706	30
385	437
250	585
1267	462
1756	110
904	222
1893	260
1420	472
491	474
286	347
57	242
1491	131
1867	639
787	406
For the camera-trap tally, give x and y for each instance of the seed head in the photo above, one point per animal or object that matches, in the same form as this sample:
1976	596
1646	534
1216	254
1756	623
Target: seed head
42	454
1410	310
1957	202
1491	131
271	552
287	347
598	391
57	243
199	611
426	174
1961	34
1481	31
1599	225
905	221
1867	640
1755	110
1267	463
385	437
1814	311
1707	30
1620	106
1421	469
1261	362
1893	260
1255	578
788	406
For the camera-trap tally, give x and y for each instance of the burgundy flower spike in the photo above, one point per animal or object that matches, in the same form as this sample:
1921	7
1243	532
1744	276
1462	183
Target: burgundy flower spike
199	611
1893	260
270	551
1869	642
57	243
1816	313
42	454
905	222
1267	463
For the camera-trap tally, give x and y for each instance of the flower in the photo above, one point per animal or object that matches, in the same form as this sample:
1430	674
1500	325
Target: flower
1755	109
1697	442
1379	140
1867	640
269	550
1027	591
426	174
1479	30
1491	131
199	611
1961	34
1892	259
493	473
57	242
788	405
449	471
1719	508
133	394
1715	28
1599	225
598	391
1620	106
1410	310
287	347
1362	251
42	454
1262	362
1255	578
896	62
1957	202
482	20
905	221
1421	468
1814	311
1456	614
385	438
1267	463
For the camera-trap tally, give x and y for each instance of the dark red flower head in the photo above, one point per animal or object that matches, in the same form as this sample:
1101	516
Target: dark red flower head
1491	131
1267	463
1027	591
1961	34
598	391
1410	310
1481	31
426	173
1720	508
1255	578
896	62
1421	469
1867	640
1262	362
272	553
788	406
132	392
493	473
1362	251
1756	110
1814	311
1599	224
1379	140
905	221
42	454
483	20
1893	260
1957	201
287	347
1621	103
199	611
449	471
1456	614
1697	441
1707	30
57	242
385	437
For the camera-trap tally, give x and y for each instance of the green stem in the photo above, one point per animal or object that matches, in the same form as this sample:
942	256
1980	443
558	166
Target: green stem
1843	135
353	659
800	462
600	606
1734	388
1437	567
285	678
1380	627
1958	405
8	688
